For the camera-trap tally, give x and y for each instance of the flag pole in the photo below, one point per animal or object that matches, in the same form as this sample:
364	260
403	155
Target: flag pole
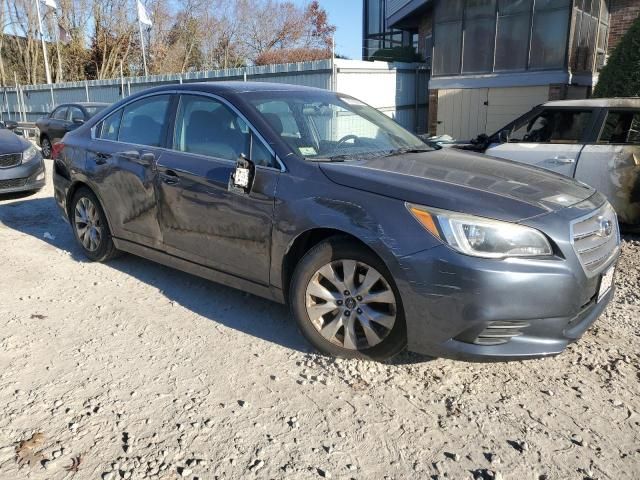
144	55
44	46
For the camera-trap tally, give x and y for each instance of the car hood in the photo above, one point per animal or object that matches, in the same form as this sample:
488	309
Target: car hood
462	182
11	143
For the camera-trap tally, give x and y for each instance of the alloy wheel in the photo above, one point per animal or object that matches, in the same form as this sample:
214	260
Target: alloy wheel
46	148
351	304
88	224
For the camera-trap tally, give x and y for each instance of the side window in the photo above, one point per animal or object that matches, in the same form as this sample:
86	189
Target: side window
208	127
143	121
553	126
622	128
75	113
110	126
60	113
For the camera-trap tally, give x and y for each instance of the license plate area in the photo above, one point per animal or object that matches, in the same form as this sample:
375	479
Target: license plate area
606	282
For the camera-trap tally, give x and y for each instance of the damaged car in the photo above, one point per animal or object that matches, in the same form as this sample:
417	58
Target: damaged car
21	164
595	141
313	198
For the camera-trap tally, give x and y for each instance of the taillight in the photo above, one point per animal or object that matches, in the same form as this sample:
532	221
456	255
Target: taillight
56	149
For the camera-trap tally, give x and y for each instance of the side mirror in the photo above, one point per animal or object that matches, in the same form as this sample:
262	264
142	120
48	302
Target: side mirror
503	136
78	121
241	180
10	124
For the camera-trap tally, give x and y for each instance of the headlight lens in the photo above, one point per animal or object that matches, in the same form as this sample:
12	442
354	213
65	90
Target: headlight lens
482	237
30	154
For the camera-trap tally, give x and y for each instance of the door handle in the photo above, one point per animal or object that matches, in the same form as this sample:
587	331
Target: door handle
170	177
130	155
562	160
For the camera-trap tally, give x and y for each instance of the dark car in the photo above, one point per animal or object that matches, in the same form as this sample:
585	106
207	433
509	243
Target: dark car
21	165
313	198
63	119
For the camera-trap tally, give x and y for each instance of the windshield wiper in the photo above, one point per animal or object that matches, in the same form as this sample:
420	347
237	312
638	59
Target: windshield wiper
402	151
333	158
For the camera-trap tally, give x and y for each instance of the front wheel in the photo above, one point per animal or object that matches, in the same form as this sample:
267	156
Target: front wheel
346	302
90	227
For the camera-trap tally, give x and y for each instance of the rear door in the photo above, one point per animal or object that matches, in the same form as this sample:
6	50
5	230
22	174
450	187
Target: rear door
201	219
612	163
58	124
550	138
122	162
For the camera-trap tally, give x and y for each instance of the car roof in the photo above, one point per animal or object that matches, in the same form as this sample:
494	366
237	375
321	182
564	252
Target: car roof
621	102
240	87
85	104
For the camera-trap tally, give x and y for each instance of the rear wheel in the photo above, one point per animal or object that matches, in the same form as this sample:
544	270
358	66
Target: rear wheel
90	226
346	302
45	145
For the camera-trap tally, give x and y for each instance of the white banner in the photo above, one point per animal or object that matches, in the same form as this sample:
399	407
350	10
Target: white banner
143	16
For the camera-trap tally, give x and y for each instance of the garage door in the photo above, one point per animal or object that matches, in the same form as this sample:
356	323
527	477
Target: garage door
466	113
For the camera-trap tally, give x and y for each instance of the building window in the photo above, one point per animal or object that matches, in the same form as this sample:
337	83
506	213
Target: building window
590	35
549	34
377	35
485	36
480	24
514	18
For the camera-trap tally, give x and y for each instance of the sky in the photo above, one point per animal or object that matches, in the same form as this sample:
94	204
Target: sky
346	15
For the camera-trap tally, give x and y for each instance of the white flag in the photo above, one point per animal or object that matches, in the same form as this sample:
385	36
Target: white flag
51	4
143	16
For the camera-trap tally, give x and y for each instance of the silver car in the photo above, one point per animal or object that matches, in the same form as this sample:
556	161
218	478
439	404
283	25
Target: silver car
596	141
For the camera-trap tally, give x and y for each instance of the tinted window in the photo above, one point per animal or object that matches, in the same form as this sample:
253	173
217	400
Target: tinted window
549	36
110	126
553	126
60	113
143	121
621	127
75	113
91	111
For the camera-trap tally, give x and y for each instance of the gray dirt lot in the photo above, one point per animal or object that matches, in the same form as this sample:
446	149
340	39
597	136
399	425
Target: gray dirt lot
139	371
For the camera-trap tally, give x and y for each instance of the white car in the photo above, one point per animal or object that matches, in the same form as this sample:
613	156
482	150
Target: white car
596	141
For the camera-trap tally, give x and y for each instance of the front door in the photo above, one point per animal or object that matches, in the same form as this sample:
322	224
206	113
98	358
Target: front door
612	164
550	138
201	219
122	162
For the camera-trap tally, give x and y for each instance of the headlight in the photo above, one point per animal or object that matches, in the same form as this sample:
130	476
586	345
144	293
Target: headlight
482	237
30	154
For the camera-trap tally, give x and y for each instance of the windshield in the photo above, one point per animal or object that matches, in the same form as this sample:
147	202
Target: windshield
93	110
323	125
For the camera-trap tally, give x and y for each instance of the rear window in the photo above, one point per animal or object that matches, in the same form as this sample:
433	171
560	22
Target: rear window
91	111
621	127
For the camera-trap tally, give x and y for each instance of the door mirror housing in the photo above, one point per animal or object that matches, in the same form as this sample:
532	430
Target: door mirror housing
241	179
10	125
503	136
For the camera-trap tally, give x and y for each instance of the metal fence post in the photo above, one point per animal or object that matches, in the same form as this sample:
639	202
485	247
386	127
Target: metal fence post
86	89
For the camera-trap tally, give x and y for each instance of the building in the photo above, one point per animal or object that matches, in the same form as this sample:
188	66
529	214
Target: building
492	60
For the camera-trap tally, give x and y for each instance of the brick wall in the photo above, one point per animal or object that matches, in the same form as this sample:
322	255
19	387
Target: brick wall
623	14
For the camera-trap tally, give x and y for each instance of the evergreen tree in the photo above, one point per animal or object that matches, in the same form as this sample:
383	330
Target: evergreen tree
621	76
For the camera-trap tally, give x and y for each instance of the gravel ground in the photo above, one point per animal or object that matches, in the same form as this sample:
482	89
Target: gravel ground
133	370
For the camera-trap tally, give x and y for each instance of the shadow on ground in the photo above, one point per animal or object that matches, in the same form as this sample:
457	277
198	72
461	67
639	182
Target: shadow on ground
261	318
40	218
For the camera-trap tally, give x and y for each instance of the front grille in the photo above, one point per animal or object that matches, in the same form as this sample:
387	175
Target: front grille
596	239
13	183
498	333
9	160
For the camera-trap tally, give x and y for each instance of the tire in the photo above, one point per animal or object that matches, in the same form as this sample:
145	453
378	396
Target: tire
345	324
45	146
90	227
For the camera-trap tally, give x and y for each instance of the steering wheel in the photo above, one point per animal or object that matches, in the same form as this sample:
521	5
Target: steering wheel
346	138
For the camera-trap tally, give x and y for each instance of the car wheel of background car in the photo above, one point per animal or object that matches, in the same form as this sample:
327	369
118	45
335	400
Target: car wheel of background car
90	226
45	145
346	303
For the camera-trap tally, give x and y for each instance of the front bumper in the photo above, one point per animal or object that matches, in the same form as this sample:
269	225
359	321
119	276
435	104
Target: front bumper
452	300
28	177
